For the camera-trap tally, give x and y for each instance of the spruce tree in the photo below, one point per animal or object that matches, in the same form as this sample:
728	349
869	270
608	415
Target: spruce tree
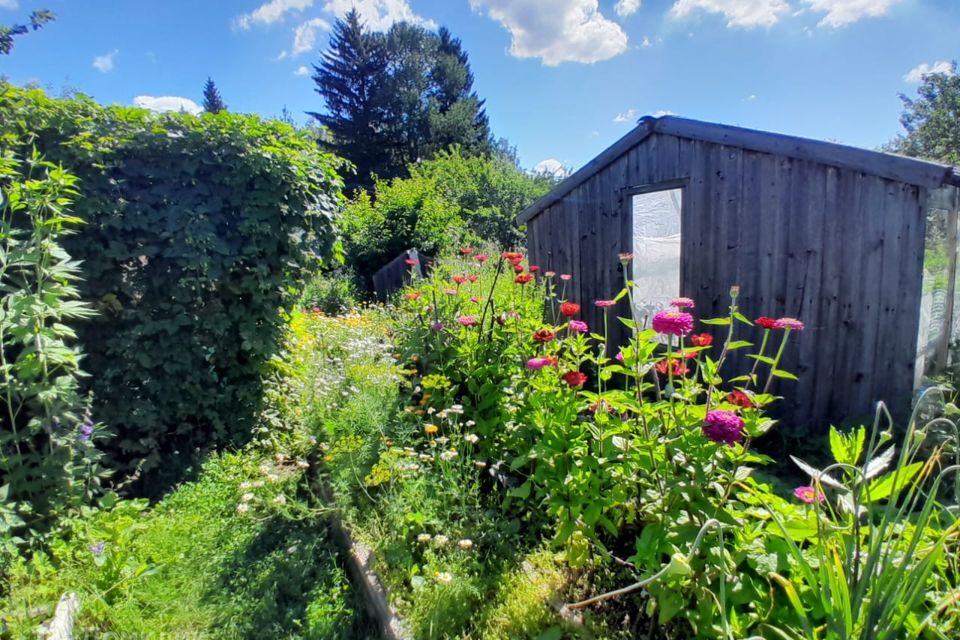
350	78
212	102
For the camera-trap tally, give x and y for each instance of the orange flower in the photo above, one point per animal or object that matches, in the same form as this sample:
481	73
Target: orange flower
512	256
701	339
569	309
678	367
543	335
459	279
523	279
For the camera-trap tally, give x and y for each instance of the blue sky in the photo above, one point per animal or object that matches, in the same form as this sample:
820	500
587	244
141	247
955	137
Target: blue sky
562	78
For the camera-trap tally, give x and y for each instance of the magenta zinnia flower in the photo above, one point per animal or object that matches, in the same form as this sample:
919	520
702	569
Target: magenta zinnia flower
467	321
682	303
565	276
723	427
576	326
535	364
619	357
788	323
673	323
605	303
808	495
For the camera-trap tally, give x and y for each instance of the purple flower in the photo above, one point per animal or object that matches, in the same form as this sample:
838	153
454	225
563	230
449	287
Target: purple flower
97	548
86	430
576	326
723	427
535	364
808	495
436	327
674	323
788	323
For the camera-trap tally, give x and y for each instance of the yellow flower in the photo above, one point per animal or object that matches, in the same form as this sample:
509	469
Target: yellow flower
430	429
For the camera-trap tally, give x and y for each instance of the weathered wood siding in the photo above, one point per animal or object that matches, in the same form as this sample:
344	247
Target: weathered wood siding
395	275
840	249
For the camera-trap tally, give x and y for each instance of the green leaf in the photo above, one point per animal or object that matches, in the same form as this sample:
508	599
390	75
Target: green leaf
780	373
716	321
892	483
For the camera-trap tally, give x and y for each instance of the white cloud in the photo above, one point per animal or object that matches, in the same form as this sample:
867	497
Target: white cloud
270	12
646	44
551	167
626	8
627	116
750	98
379	15
305	36
301	71
941	66
167	103
8	4
104	63
659	113
739	13
556	30
844	12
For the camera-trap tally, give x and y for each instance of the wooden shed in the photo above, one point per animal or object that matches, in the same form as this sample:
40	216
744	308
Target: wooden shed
830	234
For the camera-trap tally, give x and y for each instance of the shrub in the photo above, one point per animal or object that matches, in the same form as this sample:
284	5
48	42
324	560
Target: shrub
48	461
199	232
333	293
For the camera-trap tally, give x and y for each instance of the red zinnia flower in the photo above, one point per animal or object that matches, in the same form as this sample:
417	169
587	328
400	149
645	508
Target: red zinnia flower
523	279
569	309
481	258
466	250
543	335
678	367
518	268
472	277
739	398
459	279
765	322
575	378
673	323
533	268
701	339
512	255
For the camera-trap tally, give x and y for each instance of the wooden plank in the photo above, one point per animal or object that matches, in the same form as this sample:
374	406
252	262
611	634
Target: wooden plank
871	289
611	153
886	165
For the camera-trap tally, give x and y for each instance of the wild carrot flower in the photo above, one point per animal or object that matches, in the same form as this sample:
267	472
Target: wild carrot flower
243	507
723	427
441	539
575	378
444	577
739	398
765	322
467	321
481	258
523	278
424	538
466	544
789	323
566	276
576	326
701	340
543	335
808	495
569	309
604	303
673	323
682	303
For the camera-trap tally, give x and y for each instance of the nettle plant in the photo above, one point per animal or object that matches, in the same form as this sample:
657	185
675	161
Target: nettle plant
647	447
48	461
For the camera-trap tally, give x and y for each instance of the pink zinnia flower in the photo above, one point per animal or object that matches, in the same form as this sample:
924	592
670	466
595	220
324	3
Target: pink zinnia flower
481	258
411	261
723	427
682	303
673	323
467	321
566	276
619	357
625	257
535	364
808	495
577	326
604	303
789	323
450	292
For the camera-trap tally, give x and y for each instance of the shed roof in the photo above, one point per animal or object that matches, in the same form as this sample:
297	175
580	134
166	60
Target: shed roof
886	165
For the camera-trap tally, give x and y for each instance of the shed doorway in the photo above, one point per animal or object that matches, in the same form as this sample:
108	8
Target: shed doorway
656	216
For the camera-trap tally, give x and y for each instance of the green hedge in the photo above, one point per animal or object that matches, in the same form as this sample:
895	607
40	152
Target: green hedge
199	232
